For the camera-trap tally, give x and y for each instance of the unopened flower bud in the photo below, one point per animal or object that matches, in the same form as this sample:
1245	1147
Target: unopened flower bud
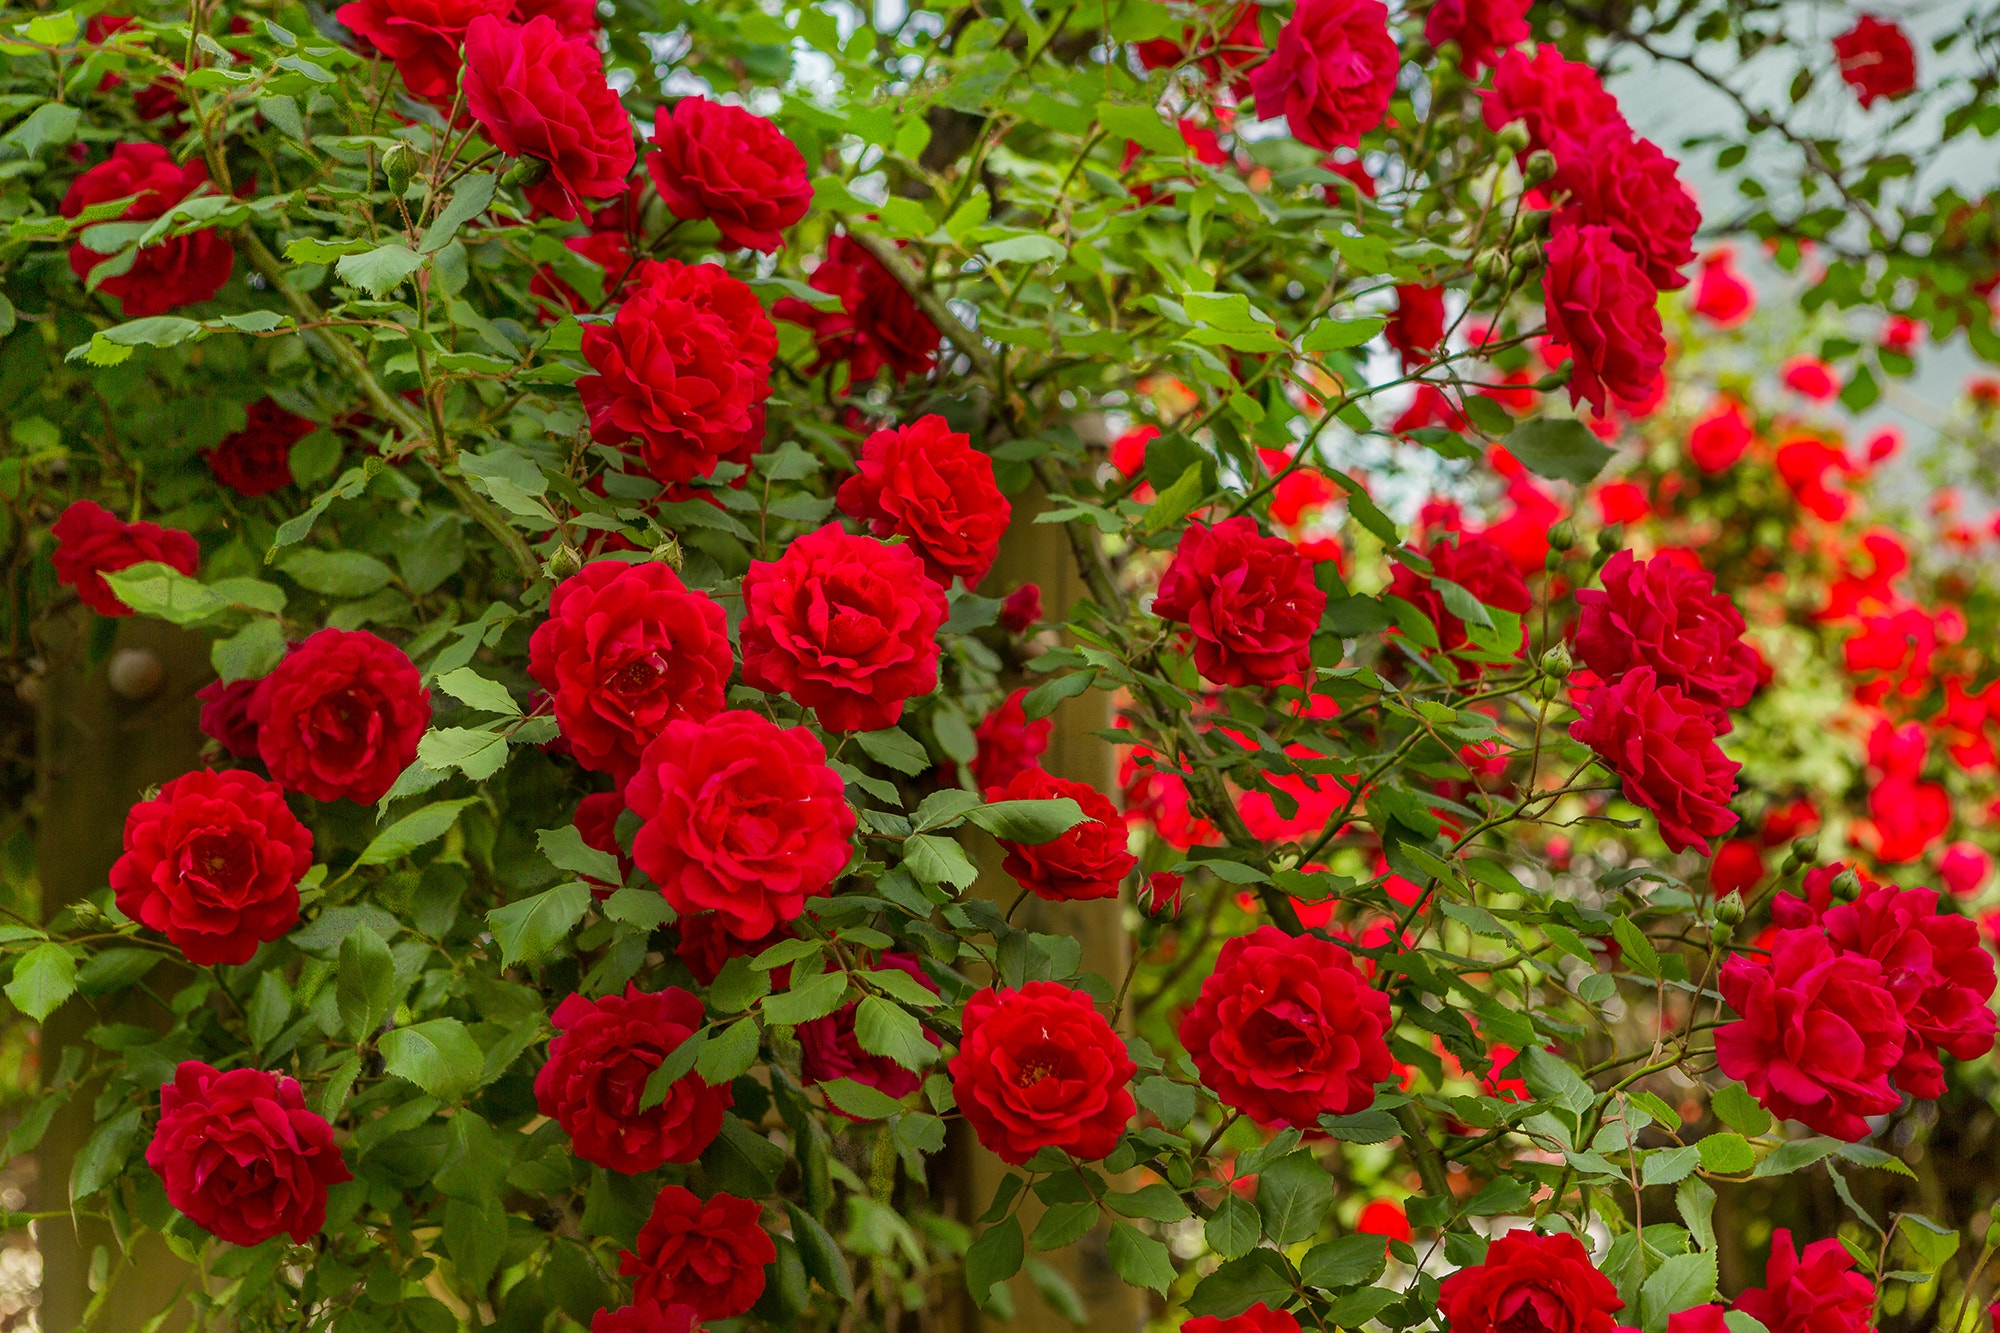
668	552
1563	535
1160	895
1553	561
1541	165
1526	257
1555	379
526	172
1556	661
1514	135
399	163
1993	1236
1607	540
1729	909
1491	265
1846	886
565	561
1532	222
1806	849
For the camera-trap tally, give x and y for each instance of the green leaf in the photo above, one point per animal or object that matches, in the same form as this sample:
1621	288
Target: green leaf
1668	1166
44	977
1063	1224
1726	1154
47	125
565	848
902	986
935	860
1553	1080
1934	1245
1636	948
1143	126
438	1055
102	1160
412	831
341	574
644	908
1174	503
1139	1259
895	749
1156	1203
672	1070
154	589
1561	449
737	986
1028	821
251	653
1351	1261
859	1100
488	696
1681	1282
472	197
820	1254
728	1054
815	998
381	270
1293	1194
994	1257
478	753
1695	1199
786	951
1328	335
364	984
1260	1277
531	927
1042	700
1501	1195
1735	1107
1794	1156
942	809
886	1029
1361	1126
1172	1102
1232	1229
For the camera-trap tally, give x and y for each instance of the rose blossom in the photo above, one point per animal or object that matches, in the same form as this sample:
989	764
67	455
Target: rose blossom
845	625
1876	59
1259	1318
1039	1068
1330	73
173	271
1662	745
705	1253
1602	309
540	94
830	1049
1009	744
421	36
1248	600
602	1054
926	482
1526	1281
213	863
1814	1292
723	164
258	459
1723	296
1720	436
683	370
877	324
1482	28
91	542
1630	186
240	1154
1478	565
706	944
1818	1034
646	1319
1557	99
225	716
1286	1030
1022	609
341	716
1964	867
626	649
1237	41
1417	327
742	817
1160	895
1090	860
1660	613
576	18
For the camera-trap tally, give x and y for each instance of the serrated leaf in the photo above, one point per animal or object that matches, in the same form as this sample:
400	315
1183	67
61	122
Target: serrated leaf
251	653
1351	1261
1233	1228
337	573
729	1053
438	1055
886	1029
672	1070
895	748
44	977
1293	1195
994	1257
1559	448
1735	1107
531	927
1063	1224
412	831
815	998
1681	1282
859	1099
1032	822
380	271
566	850
1726	1154
1139	1259
475	691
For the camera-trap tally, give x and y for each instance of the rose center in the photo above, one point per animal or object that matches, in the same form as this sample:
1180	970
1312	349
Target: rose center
219	863
346	727
1286	1029
637	677
1042	1062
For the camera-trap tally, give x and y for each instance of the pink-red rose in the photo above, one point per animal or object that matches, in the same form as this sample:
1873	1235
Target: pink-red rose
1090	860
225	716
1259	1318
1248	600
603	1053
539	93
877	323
1417	327
173	271
646	1318
1330	73
258	459
845	625
1482	29
341	716
926	482
1662	746
1601	307
743	818
1009	744
1661	614
91	542
1556	99
213	863
1479	565
1814	1292
830	1049
1526	1281
708	1254
421	36
722	164
1876	59
1629	185
1040	1068
1286	1030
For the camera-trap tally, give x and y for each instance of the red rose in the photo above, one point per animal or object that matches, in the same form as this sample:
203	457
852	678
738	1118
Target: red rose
1906	818
1817	1292
830	1049
1661	614
706	943
1529	1281
91	542
1319	796
1477	564
225	716
742	817
1723	296
258	459
1964	867
1022	609
1876	59
576	18
646	1319
683	369
1287	1030
1934	966
626	649
1602	309
707	1254
1555	98
213	863
845	625
174	271
1482	28
1009	744
1738	865
596	822
1160	895
1248	600
1417	327
241	1155
720	163
1237	40
341	716
540	94
1818	1034
1040	1068
877	324
1259	1318
603	1053
421	36
1331	73
1720	436
1088	861
926	482
1662	745
1629	185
